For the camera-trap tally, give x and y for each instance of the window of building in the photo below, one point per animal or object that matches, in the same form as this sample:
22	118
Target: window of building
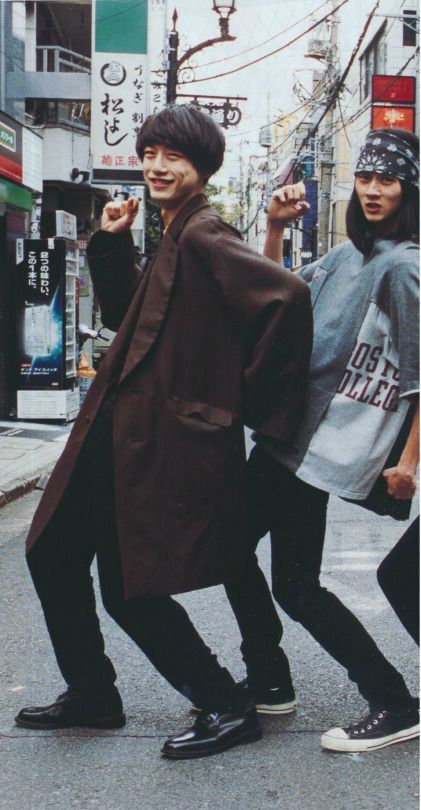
372	61
409	29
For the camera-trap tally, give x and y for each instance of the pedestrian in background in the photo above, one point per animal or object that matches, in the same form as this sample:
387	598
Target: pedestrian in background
363	393
212	335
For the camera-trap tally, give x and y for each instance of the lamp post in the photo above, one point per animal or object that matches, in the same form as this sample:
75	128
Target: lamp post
224	10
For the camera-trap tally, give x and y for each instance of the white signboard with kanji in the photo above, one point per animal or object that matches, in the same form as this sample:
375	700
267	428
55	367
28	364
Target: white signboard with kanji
118	110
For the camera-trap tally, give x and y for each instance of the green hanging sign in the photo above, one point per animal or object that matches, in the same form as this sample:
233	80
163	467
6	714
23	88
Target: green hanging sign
121	26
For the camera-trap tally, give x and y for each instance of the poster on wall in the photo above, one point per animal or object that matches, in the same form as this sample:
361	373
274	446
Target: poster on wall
40	316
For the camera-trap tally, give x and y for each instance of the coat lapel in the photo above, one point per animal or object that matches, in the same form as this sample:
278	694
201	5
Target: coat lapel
159	287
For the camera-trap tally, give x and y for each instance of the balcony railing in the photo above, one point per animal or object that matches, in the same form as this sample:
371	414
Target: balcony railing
53	58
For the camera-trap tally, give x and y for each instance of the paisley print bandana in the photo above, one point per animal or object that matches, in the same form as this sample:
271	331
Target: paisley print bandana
388	153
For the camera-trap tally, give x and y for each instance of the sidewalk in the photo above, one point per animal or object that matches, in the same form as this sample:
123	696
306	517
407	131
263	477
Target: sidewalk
28	452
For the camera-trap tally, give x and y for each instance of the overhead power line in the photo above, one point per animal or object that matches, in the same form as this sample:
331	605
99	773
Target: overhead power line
272	53
340	82
266	41
367	106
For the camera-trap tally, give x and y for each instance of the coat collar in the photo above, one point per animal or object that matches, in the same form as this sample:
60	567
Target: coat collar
194	204
159	287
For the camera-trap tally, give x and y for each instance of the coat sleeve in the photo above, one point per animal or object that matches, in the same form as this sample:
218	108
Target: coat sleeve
271	308
113	266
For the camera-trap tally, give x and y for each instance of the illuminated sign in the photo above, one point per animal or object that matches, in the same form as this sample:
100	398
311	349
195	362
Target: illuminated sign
392	116
396	89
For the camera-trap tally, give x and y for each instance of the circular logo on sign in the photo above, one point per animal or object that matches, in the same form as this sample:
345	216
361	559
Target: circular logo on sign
113	73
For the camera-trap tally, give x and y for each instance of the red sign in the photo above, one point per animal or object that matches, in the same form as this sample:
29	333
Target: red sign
10	148
397	89
403	117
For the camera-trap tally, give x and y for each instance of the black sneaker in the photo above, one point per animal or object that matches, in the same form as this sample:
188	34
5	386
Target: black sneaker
275	700
377	730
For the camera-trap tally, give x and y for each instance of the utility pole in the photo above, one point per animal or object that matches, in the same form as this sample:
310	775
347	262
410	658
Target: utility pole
241	190
173	42
326	142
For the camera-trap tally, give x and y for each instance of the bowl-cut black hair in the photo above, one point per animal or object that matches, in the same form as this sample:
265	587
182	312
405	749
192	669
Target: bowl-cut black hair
188	130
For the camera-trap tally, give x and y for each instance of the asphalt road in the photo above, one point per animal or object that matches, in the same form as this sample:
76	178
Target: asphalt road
122	769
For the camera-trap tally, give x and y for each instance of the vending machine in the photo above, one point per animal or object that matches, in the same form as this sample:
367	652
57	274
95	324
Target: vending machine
47	329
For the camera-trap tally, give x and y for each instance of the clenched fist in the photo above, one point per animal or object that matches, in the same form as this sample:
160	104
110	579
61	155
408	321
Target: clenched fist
119	215
287	203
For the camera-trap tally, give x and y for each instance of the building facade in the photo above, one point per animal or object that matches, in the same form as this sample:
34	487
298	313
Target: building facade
48	126
349	91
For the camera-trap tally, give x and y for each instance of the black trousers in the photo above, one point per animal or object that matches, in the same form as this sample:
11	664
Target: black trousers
60	563
399	578
295	514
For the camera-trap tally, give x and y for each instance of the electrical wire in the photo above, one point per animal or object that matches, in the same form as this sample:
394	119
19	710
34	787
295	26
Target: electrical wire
266	41
339	84
272	53
367	106
342	125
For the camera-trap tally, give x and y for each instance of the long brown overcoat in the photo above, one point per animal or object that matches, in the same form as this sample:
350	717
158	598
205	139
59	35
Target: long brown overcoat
211	337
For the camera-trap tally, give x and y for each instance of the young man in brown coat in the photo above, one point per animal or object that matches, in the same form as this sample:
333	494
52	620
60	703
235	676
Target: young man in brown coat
210	337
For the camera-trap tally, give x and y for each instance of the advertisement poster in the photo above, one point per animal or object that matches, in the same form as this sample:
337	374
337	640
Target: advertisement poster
40	314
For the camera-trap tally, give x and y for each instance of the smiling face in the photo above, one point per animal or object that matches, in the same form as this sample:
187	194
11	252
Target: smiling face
380	197
171	178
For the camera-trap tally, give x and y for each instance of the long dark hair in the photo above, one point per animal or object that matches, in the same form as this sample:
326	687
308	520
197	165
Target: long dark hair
363	233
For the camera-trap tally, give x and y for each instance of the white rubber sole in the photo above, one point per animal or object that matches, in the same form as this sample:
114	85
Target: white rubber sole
265	708
281	708
335	743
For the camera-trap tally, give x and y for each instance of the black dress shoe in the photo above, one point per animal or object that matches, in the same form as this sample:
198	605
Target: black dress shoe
213	733
72	709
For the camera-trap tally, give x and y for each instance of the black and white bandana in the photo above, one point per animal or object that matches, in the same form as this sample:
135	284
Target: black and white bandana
388	153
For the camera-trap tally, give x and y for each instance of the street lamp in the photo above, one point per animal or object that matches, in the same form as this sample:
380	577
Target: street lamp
224	10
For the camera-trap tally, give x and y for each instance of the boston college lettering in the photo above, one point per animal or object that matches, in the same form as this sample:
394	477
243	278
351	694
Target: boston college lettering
359	384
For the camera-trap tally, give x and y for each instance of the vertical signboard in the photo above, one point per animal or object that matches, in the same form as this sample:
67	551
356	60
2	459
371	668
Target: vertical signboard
119	87
40	334
157	55
47	323
32	160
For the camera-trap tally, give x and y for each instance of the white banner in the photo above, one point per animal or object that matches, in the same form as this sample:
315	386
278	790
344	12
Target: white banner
118	110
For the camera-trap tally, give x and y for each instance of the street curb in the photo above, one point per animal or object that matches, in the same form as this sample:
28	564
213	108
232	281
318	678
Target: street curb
16	489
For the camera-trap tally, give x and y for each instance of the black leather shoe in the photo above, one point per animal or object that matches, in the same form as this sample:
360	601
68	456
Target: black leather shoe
72	709
213	733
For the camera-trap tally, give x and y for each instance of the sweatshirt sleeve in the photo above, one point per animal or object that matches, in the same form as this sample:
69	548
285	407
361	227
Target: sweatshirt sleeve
402	302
